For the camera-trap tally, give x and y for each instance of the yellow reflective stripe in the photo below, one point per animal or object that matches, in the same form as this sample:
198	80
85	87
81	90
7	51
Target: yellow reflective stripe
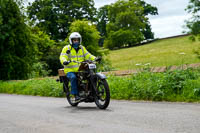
73	66
86	54
83	52
69	55
90	57
80	56
73	56
77	56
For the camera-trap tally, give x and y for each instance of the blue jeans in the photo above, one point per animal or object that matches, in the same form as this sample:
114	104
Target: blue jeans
73	79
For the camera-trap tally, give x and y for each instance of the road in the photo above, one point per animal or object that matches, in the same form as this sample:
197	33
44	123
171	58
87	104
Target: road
33	114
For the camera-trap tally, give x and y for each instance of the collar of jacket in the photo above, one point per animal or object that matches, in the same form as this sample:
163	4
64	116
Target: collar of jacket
79	47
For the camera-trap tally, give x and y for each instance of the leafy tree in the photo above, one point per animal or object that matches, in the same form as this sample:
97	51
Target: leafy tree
124	19
148	10
128	23
194	23
43	42
55	16
52	59
47	56
102	17
17	52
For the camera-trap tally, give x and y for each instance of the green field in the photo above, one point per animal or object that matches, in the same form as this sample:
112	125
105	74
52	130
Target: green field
165	52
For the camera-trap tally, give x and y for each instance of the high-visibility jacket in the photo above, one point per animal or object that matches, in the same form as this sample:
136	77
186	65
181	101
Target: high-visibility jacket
81	55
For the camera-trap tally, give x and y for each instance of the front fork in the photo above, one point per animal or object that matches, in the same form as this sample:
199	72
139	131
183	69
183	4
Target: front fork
93	81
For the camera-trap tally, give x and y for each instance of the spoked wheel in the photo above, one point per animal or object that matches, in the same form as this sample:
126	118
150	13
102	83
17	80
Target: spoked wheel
69	96
102	99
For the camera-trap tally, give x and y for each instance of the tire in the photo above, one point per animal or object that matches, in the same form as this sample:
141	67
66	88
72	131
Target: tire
69	96
102	99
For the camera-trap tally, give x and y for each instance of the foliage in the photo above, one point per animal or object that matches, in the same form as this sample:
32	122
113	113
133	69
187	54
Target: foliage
148	10
89	33
55	17
194	23
35	87
52	59
102	17
48	54
17	52
179	85
104	66
43	41
127	23
39	69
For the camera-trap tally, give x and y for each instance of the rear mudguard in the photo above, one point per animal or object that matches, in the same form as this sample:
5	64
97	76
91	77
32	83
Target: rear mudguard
101	75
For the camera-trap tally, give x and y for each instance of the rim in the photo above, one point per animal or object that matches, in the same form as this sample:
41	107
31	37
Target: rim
101	94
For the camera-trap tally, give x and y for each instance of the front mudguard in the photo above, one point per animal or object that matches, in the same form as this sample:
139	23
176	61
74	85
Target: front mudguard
101	76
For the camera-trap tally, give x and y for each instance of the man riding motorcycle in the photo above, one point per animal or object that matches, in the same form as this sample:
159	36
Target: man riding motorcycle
74	52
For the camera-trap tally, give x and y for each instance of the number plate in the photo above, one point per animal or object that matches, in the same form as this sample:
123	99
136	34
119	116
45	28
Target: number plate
92	66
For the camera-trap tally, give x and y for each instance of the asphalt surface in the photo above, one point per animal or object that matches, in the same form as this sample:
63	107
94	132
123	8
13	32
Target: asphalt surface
33	114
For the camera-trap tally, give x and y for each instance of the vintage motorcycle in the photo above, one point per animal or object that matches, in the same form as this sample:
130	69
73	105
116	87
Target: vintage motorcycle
92	86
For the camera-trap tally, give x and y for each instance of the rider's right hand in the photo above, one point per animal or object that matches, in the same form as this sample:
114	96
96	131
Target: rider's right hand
66	62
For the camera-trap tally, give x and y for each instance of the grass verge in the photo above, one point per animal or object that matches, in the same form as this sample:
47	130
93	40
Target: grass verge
179	85
35	87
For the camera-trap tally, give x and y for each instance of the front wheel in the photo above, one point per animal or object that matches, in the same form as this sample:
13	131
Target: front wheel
102	98
69	96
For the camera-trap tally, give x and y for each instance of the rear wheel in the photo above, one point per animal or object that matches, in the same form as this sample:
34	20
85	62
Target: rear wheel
102	99
69	96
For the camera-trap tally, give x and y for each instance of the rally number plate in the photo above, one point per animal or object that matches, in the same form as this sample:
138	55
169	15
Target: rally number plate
92	66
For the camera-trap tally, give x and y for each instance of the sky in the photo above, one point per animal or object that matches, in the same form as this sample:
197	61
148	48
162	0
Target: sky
171	18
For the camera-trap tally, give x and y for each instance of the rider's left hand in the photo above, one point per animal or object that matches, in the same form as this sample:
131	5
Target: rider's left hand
98	59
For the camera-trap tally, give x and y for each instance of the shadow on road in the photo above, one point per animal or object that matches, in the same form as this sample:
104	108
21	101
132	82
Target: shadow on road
85	108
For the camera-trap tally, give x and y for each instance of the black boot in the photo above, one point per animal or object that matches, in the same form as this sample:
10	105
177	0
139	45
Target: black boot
77	98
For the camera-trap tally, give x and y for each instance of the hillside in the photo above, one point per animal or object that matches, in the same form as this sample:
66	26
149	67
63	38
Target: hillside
166	52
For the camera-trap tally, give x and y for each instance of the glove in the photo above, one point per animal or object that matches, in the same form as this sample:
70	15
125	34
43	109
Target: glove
66	62
98	59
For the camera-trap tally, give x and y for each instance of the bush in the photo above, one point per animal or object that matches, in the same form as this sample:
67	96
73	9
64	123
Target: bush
180	85
35	87
40	69
104	66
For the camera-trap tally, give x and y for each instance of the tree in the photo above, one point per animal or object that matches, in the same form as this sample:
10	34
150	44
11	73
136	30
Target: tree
194	23
55	16
148	10
48	54
102	17
43	42
128	23
17	52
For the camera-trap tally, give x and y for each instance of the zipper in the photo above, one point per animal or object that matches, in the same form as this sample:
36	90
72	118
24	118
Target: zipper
77	57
